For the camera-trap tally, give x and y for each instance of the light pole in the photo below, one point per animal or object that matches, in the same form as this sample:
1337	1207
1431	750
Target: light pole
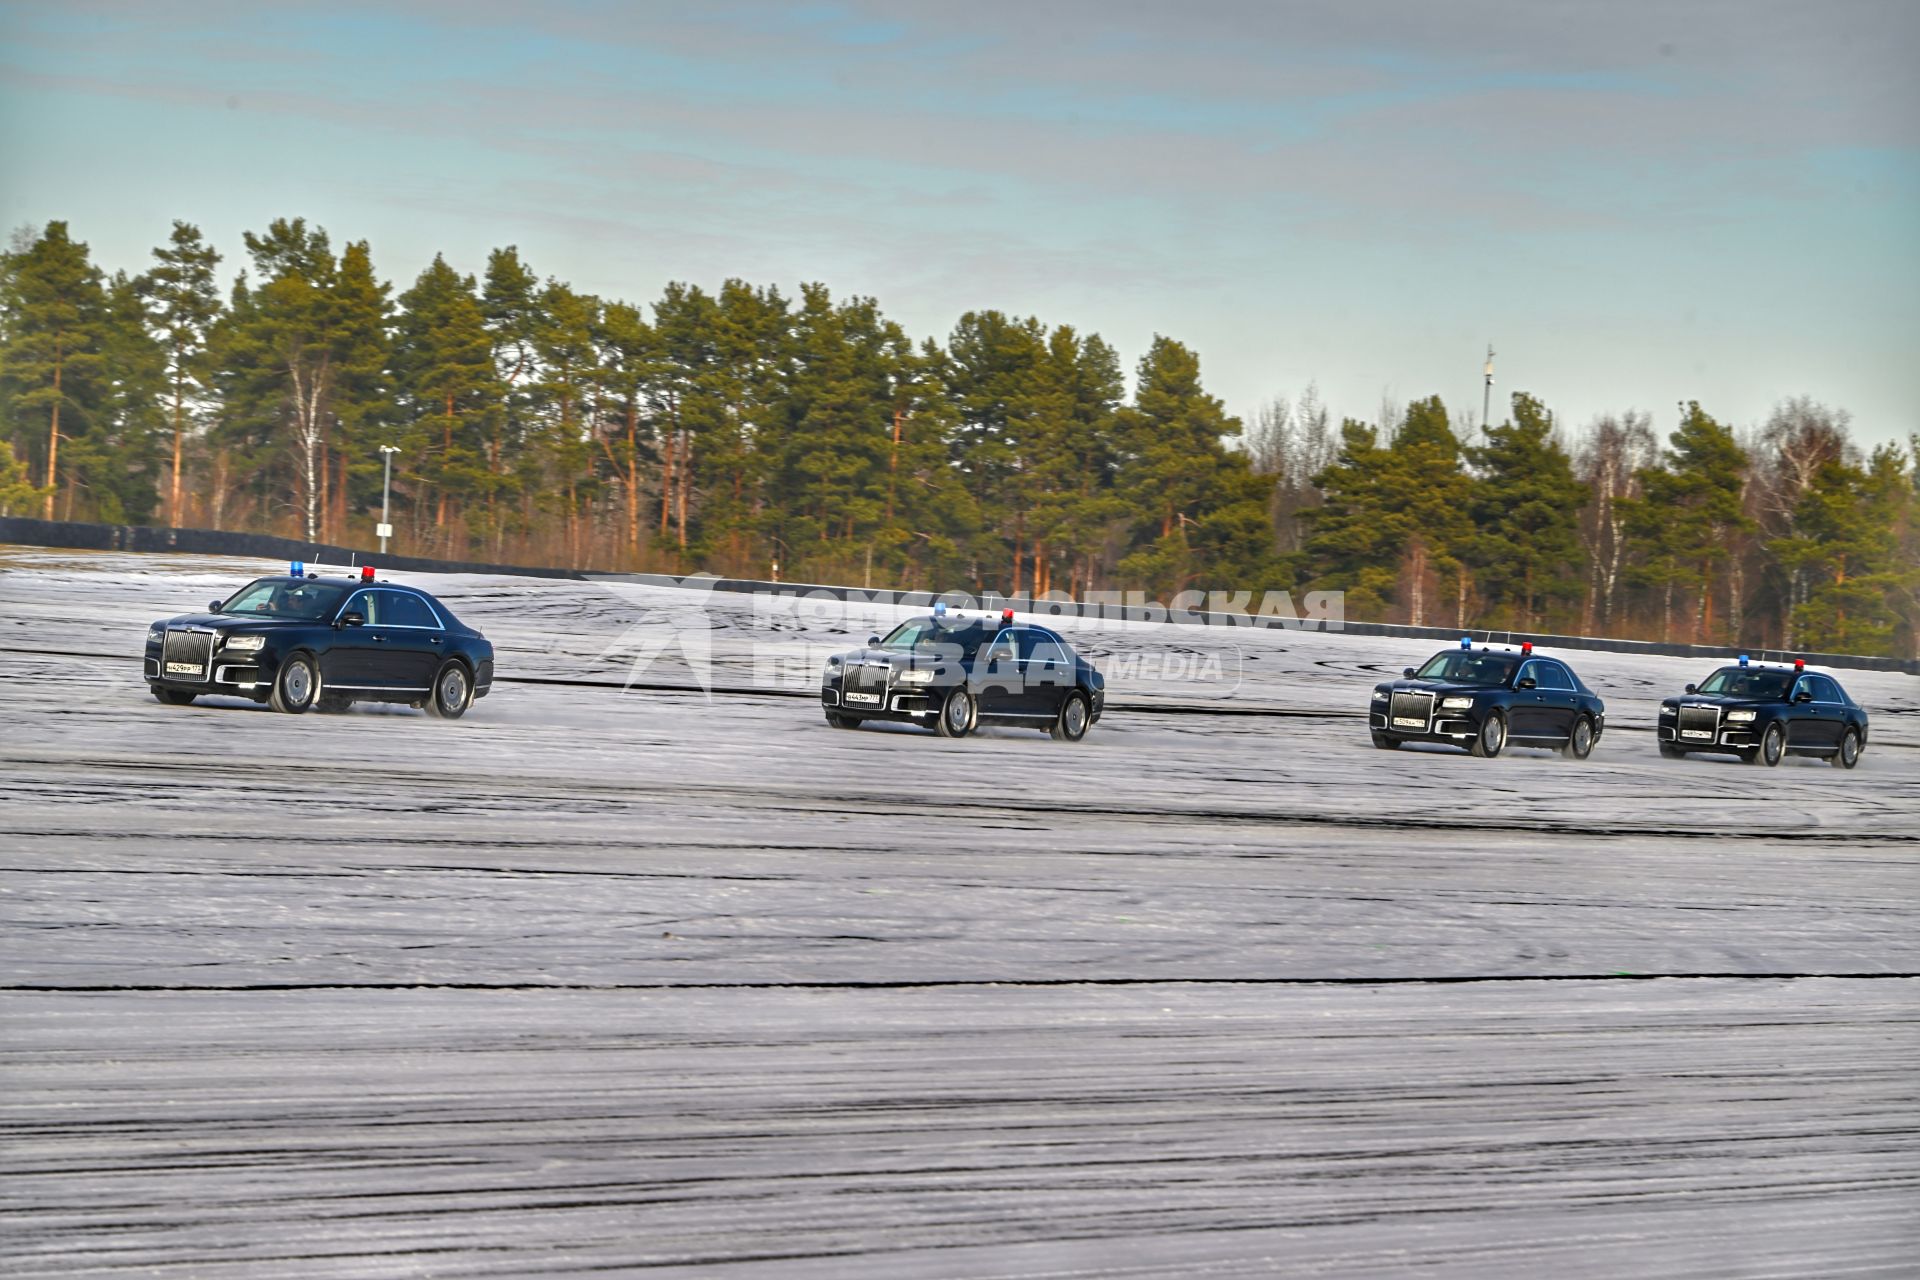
1486	396
386	488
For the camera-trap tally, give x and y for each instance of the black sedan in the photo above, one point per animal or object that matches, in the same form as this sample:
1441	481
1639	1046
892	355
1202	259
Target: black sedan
1482	699
1764	713
954	674
305	641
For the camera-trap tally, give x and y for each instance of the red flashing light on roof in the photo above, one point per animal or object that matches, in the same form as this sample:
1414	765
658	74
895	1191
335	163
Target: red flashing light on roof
1526	647
1006	617
1799	664
366	573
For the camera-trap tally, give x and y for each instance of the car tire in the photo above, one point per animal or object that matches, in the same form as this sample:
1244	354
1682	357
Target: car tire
1384	743
1076	714
1580	741
452	691
1670	751
956	715
840	721
173	697
1773	747
1849	753
1492	738
296	687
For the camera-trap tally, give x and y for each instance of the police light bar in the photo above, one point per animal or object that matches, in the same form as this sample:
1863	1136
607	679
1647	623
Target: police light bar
297	570
1743	659
366	573
1799	664
1006	617
1526	647
1466	642
939	608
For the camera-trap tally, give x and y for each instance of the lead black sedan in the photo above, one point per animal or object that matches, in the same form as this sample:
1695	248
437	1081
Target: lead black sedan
1482	699
1764	713
303	641
954	674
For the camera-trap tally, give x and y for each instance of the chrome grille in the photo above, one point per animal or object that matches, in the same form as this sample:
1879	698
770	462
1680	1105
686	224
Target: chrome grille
187	655
1699	723
865	684
1417	707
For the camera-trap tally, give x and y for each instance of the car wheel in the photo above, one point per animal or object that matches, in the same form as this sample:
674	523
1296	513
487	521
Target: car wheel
1385	743
1580	743
1071	724
1773	745
1492	738
297	685
839	721
956	715
1670	751
1849	753
173	697
452	691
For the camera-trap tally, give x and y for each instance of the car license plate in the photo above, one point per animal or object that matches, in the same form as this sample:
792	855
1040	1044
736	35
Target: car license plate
184	668
863	697
1410	722
1696	733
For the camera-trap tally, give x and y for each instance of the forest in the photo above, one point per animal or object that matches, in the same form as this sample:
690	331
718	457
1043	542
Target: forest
807	437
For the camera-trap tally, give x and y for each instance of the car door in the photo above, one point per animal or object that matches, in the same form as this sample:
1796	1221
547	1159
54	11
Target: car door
1048	673
1561	703
1527	713
1824	719
997	677
352	658
412	638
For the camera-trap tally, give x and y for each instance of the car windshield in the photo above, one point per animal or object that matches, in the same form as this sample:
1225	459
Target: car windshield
924	635
286	598
1745	682
1467	666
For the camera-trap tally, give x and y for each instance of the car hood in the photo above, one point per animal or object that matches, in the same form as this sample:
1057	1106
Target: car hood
1725	704
232	622
1437	687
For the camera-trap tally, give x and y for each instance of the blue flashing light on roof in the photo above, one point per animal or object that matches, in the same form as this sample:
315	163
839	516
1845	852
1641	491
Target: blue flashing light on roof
1743	659
939	608
299	569
1466	642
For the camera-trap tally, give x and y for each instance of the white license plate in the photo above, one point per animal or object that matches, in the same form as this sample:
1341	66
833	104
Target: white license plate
864	697
1410	722
184	669
1696	733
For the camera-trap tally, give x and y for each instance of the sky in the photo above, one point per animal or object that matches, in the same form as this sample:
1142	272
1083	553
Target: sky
1636	204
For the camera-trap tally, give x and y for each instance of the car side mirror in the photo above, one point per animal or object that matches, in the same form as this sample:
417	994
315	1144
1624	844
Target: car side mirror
1407	672
215	606
1805	695
1693	688
872	641
352	619
1527	682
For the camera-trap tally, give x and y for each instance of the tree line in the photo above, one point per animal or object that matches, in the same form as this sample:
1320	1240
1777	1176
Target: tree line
748	432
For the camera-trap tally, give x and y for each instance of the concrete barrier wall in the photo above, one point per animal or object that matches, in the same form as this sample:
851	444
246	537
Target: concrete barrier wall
220	542
1114	612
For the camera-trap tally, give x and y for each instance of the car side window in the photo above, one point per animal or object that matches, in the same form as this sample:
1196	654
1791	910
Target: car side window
364	604
1554	676
1001	650
1528	671
1036	646
403	609
1824	690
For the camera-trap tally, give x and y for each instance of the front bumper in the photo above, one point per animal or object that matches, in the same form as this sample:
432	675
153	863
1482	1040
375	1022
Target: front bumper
241	674
1455	727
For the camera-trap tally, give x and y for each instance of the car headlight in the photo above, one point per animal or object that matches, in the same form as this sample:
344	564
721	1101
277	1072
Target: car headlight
156	633
1379	696
922	676
243	644
1668	709
1740	717
833	661
1455	704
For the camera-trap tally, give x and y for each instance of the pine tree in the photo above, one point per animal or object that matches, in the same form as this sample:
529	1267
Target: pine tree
17	492
183	301
448	387
1526	506
52	316
1688	509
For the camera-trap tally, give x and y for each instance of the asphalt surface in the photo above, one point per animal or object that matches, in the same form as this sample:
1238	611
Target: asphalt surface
675	983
